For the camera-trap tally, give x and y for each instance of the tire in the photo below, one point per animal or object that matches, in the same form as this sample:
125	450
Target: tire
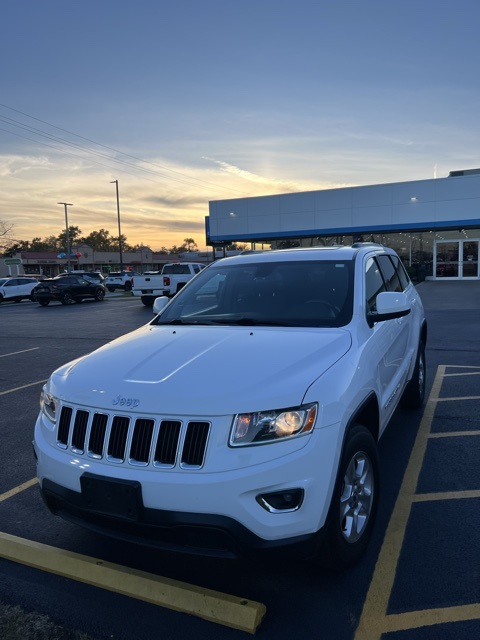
111	289
67	298
32	298
128	286
354	502
99	295
414	393
43	303
148	301
1	299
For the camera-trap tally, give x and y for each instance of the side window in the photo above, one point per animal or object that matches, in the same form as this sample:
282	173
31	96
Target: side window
196	268
391	277
374	284
402	274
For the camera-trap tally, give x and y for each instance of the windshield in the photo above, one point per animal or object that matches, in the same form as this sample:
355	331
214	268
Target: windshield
299	294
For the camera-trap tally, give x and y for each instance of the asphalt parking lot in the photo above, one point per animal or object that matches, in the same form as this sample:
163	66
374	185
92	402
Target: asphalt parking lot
420	578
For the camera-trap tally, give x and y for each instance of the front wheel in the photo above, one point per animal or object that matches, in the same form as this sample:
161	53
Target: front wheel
67	298
111	289
128	286
354	502
43	303
99	295
414	393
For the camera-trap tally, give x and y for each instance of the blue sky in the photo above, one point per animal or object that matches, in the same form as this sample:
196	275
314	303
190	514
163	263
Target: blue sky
195	100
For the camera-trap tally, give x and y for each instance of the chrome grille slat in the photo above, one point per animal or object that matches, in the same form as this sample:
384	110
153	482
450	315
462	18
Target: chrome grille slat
80	431
117	442
97	435
167	443
141	441
195	444
136	441
64	427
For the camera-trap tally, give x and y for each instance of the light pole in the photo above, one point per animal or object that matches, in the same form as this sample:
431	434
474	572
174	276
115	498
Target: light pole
67	204
119	229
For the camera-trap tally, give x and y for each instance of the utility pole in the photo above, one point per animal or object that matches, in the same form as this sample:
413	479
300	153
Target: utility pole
67	204
119	229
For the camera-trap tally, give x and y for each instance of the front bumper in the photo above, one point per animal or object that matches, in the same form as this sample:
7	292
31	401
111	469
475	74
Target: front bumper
196	510
192	533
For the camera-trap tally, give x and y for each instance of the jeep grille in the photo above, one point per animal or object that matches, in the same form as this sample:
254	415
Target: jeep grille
135	441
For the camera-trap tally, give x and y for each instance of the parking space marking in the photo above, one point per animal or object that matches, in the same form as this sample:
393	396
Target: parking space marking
18	489
14	353
214	606
374	620
430	617
24	386
453	434
457	398
446	495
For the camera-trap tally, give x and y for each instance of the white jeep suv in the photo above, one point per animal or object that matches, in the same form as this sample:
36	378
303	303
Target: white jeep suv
245	417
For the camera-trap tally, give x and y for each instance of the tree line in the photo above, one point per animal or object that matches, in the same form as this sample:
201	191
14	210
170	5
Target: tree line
100	240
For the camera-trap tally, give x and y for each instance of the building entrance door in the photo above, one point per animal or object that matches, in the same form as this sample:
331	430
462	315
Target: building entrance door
469	258
456	259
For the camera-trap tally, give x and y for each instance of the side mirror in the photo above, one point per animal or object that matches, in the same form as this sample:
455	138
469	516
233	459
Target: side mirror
160	304
390	305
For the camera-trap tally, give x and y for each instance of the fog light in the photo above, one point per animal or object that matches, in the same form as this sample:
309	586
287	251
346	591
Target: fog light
281	501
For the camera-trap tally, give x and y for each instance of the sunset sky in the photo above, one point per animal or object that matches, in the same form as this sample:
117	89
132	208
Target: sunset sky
188	101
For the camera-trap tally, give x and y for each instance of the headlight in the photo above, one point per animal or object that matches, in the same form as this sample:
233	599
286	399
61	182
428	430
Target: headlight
268	426
48	404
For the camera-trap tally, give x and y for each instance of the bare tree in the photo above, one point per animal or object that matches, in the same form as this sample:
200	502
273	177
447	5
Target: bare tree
5	235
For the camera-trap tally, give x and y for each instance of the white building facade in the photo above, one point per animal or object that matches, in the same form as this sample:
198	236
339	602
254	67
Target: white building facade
434	225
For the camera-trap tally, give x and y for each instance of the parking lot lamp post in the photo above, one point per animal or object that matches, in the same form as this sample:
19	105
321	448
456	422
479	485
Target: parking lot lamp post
119	229
67	204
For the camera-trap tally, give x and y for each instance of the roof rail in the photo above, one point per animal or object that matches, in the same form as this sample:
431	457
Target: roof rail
359	245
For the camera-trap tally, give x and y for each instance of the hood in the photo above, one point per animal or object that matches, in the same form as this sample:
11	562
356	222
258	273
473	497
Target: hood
199	370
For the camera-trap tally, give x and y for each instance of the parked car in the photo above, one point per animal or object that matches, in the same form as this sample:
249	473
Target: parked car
17	288
38	276
93	276
275	453
67	289
120	280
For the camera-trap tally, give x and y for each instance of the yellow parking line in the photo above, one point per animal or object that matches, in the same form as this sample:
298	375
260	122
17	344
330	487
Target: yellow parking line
446	495
457	398
460	366
429	617
214	606
374	614
453	434
31	384
463	373
14	353
18	489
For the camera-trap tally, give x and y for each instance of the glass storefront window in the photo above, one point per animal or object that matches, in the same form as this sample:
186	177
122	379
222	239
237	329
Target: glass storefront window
456	250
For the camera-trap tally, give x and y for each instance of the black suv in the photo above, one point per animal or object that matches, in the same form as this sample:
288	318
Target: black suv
92	276
67	288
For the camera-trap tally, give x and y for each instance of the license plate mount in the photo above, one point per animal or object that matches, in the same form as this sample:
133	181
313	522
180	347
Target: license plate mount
115	497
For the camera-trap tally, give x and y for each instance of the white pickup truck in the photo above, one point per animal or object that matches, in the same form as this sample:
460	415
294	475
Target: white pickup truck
166	282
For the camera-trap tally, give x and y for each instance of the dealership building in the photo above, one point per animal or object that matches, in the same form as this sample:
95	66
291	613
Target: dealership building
434	225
